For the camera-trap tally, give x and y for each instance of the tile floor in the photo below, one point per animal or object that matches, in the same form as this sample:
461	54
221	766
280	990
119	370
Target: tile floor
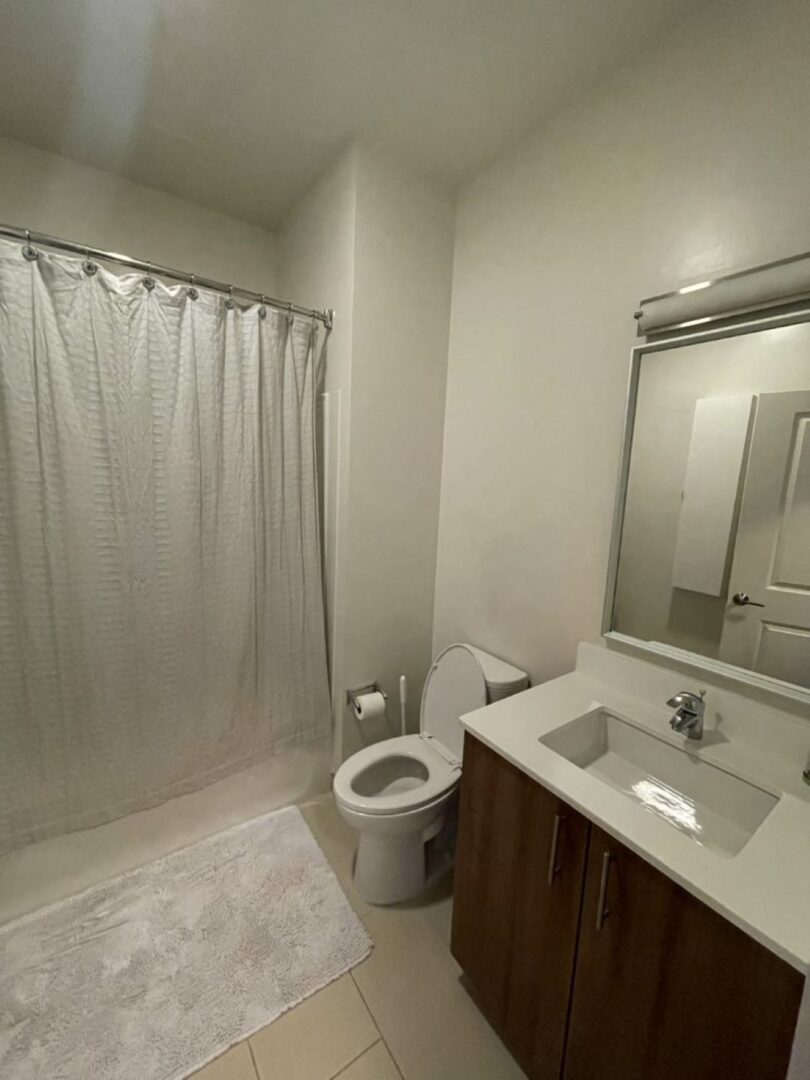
400	1015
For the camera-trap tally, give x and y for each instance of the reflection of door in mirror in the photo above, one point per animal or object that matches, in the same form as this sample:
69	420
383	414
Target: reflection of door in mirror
771	561
717	502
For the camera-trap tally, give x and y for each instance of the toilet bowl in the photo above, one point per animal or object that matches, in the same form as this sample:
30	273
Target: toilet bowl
398	793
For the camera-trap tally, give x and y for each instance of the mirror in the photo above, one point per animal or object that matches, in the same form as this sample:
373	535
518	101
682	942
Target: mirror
712	535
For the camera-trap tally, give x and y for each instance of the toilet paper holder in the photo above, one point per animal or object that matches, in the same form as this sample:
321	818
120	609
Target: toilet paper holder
369	688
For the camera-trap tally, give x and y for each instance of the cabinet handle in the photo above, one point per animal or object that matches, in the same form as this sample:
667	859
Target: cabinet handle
553	868
603	910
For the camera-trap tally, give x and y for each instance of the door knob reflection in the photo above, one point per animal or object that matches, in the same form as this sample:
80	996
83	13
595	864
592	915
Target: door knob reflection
742	599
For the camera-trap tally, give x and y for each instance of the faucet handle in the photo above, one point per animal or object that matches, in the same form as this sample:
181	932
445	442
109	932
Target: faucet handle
687	698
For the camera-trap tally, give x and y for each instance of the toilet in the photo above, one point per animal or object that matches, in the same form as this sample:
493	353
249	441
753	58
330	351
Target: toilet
398	793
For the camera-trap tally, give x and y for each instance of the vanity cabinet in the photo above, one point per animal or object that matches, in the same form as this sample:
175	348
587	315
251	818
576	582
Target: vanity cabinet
519	867
667	988
591	964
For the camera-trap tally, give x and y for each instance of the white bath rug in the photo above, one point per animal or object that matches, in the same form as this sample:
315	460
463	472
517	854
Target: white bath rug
152	974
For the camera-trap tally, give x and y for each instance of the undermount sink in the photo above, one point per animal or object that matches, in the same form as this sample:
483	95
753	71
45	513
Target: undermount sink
713	807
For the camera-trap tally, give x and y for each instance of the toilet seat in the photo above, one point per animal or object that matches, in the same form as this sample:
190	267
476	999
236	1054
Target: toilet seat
441	775
405	774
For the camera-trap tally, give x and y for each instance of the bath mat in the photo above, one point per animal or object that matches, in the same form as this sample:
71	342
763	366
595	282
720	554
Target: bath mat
152	974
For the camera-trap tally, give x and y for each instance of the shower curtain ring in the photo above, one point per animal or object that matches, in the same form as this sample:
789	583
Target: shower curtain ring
192	290
29	252
88	265
262	309
229	304
149	281
290	314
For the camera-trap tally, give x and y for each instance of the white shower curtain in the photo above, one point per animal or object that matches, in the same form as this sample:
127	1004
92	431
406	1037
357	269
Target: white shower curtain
161	609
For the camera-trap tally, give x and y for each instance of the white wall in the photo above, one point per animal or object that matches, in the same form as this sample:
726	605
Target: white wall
404	257
316	266
692	161
375	241
51	194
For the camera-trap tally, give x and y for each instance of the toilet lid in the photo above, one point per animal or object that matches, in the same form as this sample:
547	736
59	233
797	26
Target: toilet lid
455	685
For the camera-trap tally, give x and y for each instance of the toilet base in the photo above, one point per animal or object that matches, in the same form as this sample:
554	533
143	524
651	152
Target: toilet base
390	869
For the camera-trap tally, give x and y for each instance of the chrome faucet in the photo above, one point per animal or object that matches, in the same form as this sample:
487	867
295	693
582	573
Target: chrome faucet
689	709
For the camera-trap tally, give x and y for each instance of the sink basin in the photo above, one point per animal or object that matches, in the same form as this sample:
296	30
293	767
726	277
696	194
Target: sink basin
713	807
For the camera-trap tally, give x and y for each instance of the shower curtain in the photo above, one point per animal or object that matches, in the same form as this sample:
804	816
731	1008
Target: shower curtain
161	607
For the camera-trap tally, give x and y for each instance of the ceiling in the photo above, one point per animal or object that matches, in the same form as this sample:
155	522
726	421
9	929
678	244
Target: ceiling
240	104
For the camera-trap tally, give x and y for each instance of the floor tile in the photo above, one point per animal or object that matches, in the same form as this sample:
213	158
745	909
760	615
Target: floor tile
430	1024
439	909
441	916
336	838
411	982
375	1064
317	1038
236	1064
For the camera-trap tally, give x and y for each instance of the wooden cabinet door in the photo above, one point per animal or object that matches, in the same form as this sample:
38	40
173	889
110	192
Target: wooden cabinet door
547	912
667	989
490	825
514	923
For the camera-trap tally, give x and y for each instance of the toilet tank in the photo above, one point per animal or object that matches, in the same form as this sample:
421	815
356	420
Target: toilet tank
502	679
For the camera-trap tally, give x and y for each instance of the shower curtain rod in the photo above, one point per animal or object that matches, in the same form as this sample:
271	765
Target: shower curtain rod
31	237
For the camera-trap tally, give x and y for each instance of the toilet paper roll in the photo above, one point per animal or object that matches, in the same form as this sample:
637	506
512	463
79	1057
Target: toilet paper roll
369	706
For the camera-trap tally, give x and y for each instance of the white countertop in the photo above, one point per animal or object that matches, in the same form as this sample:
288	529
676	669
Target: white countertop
765	888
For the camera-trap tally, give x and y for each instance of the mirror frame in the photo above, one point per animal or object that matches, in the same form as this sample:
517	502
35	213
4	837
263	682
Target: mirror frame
658	649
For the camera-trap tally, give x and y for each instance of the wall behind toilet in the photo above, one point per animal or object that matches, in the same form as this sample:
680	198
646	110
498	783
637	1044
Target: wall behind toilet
692	161
375	240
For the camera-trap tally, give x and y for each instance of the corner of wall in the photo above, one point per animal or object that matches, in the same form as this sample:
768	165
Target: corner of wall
375	241
317	249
